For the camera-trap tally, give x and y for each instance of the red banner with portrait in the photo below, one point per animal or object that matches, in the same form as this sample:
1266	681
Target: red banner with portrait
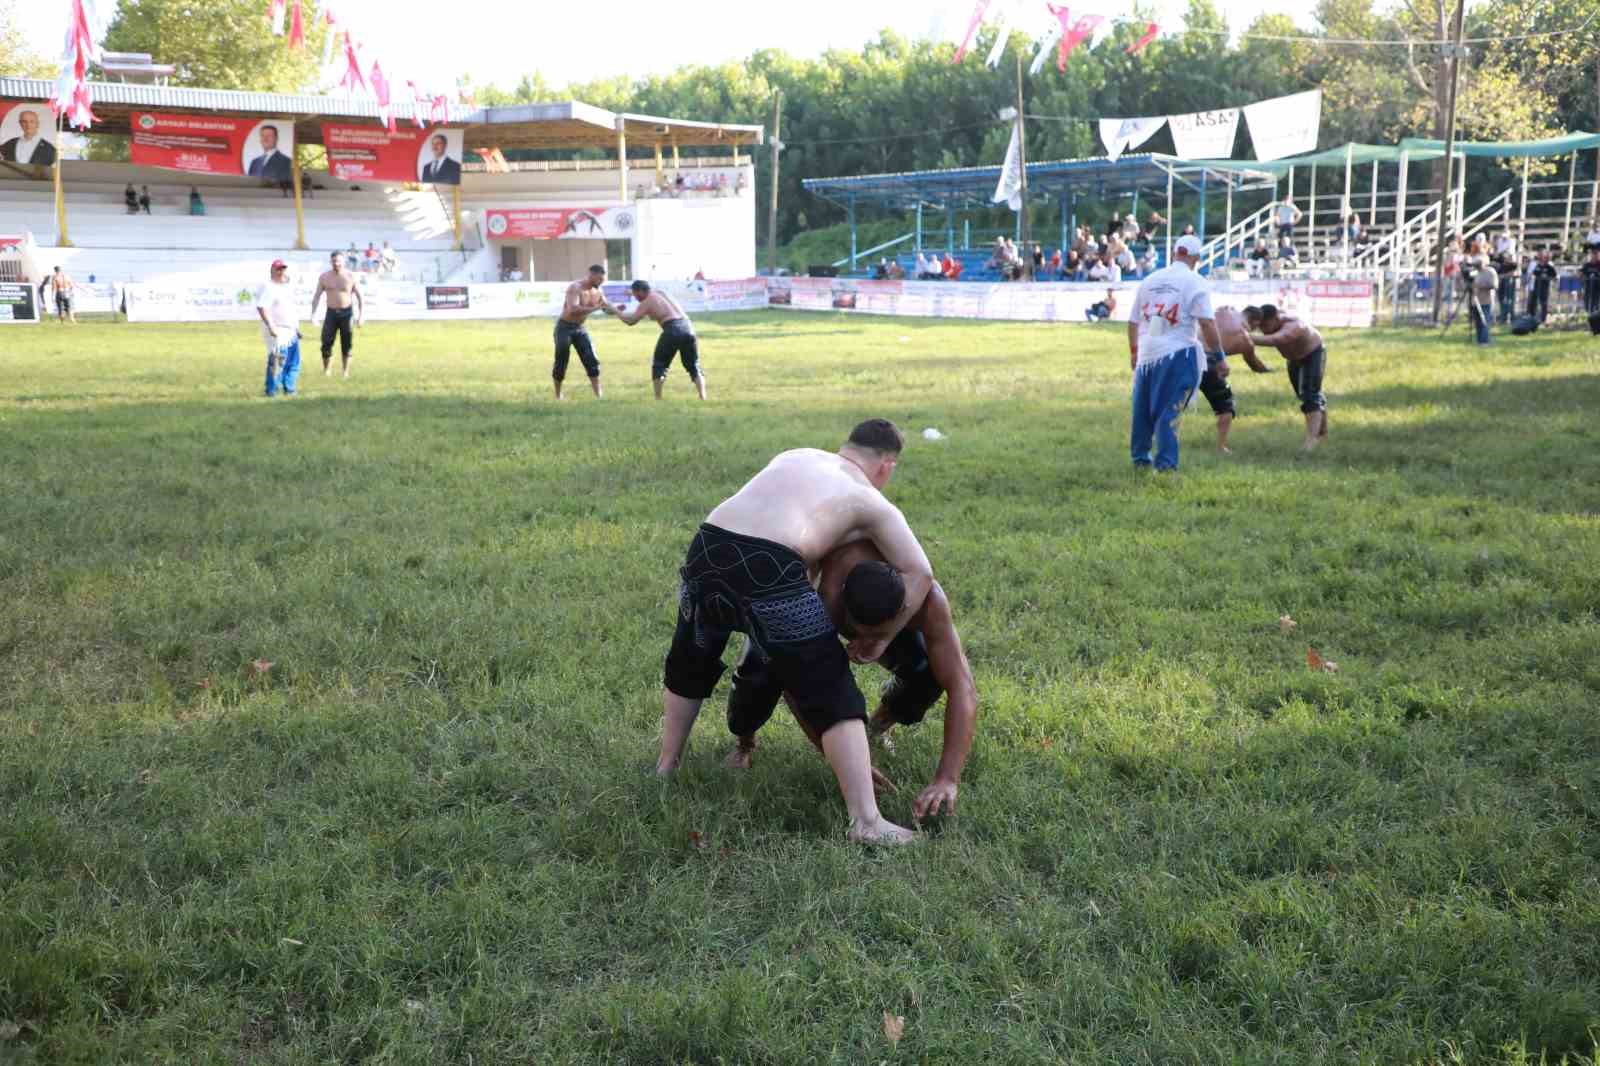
372	153
214	144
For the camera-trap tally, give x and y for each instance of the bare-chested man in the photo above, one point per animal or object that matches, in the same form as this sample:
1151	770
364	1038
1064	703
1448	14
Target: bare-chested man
926	660
1299	343
1214	382
677	336
749	570
343	290
62	285
584	298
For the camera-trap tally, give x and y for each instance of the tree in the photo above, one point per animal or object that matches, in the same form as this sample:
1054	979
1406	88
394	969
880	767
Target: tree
16	58
217	44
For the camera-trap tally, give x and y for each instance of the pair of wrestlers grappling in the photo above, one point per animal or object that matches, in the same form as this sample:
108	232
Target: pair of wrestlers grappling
809	550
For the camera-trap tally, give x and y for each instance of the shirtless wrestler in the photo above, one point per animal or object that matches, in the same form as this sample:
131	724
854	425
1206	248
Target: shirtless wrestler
926	660
749	570
1301	345
1214	383
344	300
584	297
677	336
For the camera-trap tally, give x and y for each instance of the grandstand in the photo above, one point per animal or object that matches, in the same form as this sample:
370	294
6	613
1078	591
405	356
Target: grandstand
689	213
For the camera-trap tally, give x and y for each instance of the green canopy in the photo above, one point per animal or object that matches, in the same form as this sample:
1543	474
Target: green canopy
1566	144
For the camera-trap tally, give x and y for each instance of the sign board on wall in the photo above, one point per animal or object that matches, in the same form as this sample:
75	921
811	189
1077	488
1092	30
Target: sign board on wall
17	304
560	223
214	144
27	134
372	153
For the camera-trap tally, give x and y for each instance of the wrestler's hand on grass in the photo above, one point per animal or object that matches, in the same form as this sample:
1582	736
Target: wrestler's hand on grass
866	649
939	797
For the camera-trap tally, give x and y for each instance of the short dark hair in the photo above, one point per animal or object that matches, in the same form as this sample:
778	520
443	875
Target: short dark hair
1268	311
873	592
269	126
642	288
598	268
878	435
1251	311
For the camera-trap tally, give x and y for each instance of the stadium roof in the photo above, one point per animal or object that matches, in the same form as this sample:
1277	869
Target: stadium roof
1417	149
975	186
554	126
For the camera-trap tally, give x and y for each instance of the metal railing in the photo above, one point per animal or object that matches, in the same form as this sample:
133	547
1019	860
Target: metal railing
1247	232
846	261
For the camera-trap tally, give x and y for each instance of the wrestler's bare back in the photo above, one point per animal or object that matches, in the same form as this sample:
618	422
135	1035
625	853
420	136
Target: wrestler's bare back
659	306
1294	338
808	499
1236	338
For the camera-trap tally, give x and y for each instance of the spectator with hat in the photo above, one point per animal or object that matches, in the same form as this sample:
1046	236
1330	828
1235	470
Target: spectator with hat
280	329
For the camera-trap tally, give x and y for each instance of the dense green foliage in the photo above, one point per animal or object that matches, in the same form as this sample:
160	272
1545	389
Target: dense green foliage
217	44
901	105
425	834
16	58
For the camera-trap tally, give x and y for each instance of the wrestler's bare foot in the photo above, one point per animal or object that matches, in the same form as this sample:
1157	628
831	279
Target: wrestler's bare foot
1310	445
742	757
882	831
1223	449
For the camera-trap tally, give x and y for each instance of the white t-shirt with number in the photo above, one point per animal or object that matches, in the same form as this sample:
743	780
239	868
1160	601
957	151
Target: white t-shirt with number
1168	308
278	301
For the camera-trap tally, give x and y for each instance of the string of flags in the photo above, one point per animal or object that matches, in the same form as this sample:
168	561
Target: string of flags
72	99
1062	32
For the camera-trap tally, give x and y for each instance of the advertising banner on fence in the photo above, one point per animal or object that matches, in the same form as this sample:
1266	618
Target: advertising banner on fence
214	144
372	153
17	303
559	223
27	134
1323	303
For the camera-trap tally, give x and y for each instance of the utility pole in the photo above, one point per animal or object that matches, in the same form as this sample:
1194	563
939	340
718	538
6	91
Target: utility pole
1456	54
772	210
1022	159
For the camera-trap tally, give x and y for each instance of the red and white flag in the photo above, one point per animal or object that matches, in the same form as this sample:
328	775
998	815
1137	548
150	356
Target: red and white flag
972	28
72	98
1150	33
380	89
276	9
297	26
419	102
352	79
331	24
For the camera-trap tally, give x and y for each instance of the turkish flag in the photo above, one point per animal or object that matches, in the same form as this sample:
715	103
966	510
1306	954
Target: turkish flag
380	89
1150	33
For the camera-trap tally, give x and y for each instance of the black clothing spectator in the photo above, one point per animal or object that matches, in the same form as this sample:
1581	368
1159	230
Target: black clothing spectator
1544	272
131	198
144	199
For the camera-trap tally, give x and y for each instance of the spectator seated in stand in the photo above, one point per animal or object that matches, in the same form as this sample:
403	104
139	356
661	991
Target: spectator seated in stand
896	271
144	198
1055	264
390	261
1101	310
1130	228
1038	260
197	206
130	198
1592	240
1090	256
1104	269
352	257
371	260
952	268
1147	261
881	271
1126	264
1287	256
1260	259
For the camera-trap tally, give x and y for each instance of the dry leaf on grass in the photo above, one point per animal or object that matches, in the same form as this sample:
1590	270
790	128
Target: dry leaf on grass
260	667
723	853
1286	624
1317	662
203	684
894	1028
696	840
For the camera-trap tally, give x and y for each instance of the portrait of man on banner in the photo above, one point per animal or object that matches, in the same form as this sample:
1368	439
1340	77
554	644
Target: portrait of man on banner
267	149
27	135
439	162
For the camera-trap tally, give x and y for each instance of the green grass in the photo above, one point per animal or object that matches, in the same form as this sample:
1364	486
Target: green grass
426	834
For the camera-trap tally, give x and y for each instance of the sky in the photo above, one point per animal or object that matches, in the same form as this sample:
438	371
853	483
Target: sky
496	43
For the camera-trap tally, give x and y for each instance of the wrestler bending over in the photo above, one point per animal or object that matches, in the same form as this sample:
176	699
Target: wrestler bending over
749	570
1214	383
926	660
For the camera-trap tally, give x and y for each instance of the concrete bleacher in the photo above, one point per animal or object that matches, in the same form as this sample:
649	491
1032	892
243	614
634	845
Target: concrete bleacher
245	224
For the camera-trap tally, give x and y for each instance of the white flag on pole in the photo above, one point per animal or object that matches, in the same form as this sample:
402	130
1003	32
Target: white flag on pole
1205	134
1002	35
1121	134
1009	191
1285	125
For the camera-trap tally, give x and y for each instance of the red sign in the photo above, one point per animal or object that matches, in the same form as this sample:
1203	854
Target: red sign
213	144
558	223
7	241
372	153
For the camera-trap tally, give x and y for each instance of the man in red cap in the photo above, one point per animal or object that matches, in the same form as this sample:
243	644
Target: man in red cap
280	328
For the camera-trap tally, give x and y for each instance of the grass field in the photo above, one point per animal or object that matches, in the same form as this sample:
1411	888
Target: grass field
425	834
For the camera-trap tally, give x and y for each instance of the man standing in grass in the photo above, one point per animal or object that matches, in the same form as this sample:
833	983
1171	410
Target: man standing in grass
925	658
343	290
62	285
1171	315
1301	345
584	298
280	328
677	336
749	570
1214	382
